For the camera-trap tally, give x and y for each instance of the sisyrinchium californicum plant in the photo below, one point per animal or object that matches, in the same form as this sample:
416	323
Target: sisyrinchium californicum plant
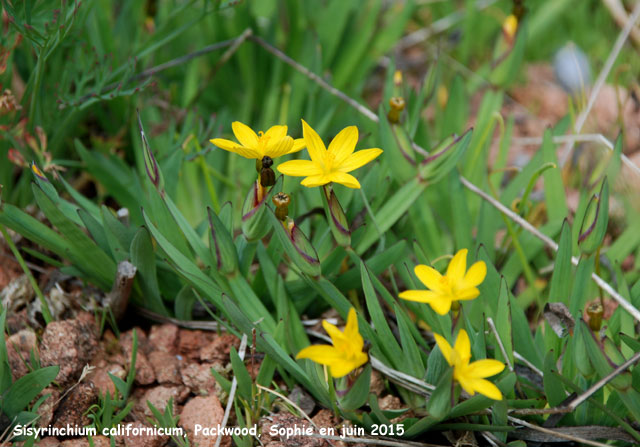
365	232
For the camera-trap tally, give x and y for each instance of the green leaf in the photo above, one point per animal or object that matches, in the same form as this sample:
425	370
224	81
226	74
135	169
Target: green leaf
222	248
388	345
553	187
296	245
144	259
26	388
439	404
552	386
359	392
560	287
80	249
5	369
241	374
596	218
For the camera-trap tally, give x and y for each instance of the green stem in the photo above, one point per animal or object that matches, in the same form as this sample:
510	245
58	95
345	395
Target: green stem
45	307
36	87
332	393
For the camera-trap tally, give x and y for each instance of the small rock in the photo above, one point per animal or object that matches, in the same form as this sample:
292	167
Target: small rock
206	411
72	409
199	378
159	397
191	342
218	350
101	380
70	344
142	440
376	385
302	399
48	407
164	338
166	367
19	348
390	402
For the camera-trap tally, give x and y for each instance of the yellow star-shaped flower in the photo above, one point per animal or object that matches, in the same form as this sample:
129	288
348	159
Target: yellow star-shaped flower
330	165
471	376
346	353
272	143
457	284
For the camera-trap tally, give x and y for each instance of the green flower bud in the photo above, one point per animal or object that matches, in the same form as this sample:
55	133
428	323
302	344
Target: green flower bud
336	217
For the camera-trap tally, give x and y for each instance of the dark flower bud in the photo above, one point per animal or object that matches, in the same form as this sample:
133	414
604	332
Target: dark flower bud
267	177
595	312
267	162
281	201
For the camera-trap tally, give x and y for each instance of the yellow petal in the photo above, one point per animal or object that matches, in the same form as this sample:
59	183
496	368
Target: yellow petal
323	354
466	294
315	146
441	304
485	388
275	133
358	159
484	368
345	179
351	333
337	337
457	266
298	145
463	346
245	135
343	144
279	147
316	180
475	275
351	328
429	276
299	168
345	366
445	349
236	148
421	296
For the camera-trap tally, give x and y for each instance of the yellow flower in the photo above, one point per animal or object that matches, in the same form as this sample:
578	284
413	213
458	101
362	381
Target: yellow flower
457	284
272	143
330	165
470	375
346	353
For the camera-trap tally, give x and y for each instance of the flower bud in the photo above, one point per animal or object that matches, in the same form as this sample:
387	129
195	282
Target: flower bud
595	312
281	201
335	215
397	106
150	164
267	176
510	27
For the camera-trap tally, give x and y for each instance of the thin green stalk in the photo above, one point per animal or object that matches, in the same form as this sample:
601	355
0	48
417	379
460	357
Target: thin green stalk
45	307
212	189
332	393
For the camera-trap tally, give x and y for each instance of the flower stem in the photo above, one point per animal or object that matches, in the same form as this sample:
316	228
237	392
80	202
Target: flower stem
332	393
